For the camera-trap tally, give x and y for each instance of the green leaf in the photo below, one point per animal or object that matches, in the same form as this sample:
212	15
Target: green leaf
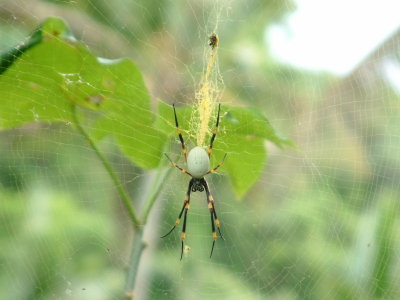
165	118
29	83
251	123
242	136
50	29
41	79
122	101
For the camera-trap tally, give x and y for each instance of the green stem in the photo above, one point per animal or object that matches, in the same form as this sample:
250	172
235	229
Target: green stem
121	191
138	244
137	249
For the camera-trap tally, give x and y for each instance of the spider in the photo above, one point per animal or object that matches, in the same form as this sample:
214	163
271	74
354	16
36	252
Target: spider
198	164
213	40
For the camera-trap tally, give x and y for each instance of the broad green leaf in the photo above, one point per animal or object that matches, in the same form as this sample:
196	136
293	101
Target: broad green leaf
140	142
251	123
29	83
50	29
42	79
242	136
165	118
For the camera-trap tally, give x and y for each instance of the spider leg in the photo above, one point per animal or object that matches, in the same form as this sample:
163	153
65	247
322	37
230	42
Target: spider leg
213	230
179	218
180	134
214	218
214	133
175	165
219	165
185	207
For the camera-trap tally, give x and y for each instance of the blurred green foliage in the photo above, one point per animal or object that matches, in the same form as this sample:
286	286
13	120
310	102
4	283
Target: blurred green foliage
321	223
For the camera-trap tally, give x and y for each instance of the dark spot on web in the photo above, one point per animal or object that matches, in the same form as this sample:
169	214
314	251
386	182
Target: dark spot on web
95	99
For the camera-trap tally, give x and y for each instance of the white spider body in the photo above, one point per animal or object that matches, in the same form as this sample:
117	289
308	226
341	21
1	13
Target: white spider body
198	162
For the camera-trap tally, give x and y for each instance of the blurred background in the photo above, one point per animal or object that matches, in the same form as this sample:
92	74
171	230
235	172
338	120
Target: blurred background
321	223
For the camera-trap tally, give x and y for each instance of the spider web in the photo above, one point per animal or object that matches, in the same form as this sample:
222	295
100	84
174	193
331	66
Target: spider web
322	222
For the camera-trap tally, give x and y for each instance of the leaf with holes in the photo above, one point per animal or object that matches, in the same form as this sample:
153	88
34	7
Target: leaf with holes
42	78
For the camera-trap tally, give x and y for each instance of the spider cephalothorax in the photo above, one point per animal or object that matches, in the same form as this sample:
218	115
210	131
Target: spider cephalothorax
198	163
197	185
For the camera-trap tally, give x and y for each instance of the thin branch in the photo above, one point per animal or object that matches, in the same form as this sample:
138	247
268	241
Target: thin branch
121	191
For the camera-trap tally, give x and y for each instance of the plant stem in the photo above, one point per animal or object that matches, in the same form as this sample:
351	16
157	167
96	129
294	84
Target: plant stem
157	184
121	191
137	249
138	244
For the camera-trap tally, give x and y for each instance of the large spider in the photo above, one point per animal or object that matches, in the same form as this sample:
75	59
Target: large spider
198	164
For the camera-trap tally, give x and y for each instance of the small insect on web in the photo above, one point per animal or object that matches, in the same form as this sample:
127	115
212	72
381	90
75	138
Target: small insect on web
198	163
213	40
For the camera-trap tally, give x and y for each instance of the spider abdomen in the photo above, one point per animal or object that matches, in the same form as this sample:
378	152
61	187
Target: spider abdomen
198	162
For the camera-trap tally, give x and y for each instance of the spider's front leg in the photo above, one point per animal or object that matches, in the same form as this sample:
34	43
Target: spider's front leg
180	134
215	132
219	165
175	165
